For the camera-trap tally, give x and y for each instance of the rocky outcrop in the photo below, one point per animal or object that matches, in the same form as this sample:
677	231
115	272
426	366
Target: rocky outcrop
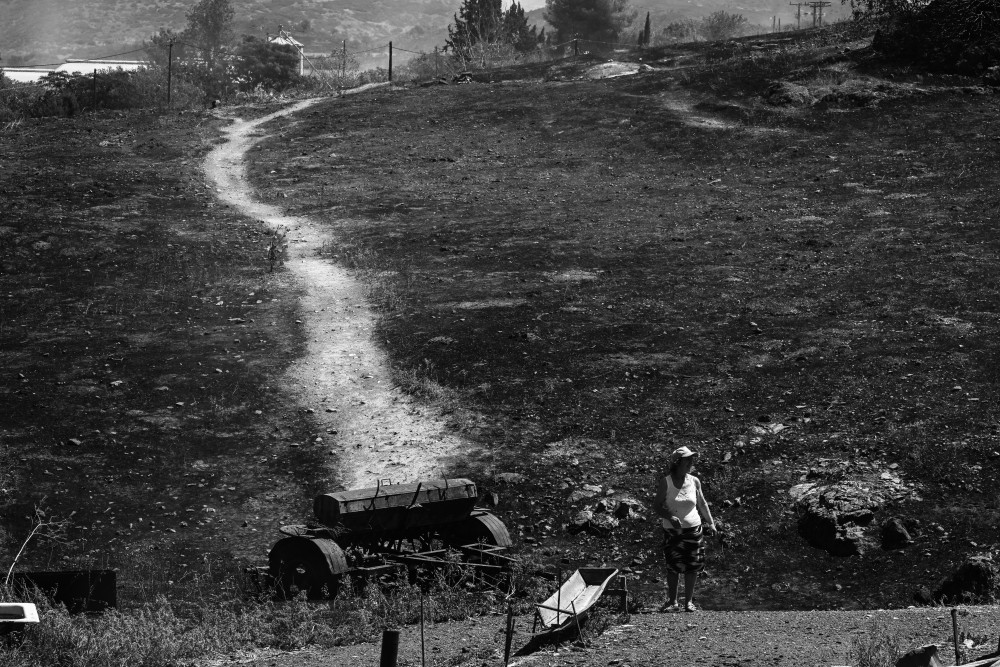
977	580
833	517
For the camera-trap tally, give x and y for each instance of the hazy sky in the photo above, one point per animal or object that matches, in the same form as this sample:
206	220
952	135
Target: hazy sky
531	4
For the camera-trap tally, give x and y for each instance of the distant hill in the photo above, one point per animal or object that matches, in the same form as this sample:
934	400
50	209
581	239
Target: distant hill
51	30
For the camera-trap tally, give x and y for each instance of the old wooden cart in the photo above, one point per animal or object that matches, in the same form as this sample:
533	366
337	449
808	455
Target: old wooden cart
433	523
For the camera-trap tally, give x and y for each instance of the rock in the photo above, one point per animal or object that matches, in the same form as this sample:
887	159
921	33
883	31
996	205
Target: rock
895	535
800	490
580	521
629	508
600	525
925	656
976	580
604	505
588	491
787	94
832	517
510	477
923	596
992	76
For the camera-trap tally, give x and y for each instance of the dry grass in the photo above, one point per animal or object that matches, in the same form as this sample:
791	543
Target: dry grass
877	646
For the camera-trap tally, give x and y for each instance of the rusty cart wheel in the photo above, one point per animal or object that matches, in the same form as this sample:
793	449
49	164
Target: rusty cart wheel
312	566
483	528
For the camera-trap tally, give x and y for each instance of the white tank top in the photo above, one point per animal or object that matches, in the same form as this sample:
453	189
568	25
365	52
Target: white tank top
682	503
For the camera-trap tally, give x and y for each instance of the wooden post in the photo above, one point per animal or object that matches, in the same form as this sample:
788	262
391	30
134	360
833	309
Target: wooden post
576	47
423	660
509	635
95	90
436	73
170	69
343	63
390	62
390	648
625	597
954	635
558	594
576	618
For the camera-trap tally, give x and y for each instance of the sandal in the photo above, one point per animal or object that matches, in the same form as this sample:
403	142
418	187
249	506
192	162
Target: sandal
670	608
690	607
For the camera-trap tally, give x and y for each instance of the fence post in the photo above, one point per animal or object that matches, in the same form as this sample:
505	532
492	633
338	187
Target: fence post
436	73
576	46
390	62
170	69
390	648
343	63
95	91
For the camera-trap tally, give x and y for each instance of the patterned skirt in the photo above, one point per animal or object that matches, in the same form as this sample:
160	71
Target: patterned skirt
684	551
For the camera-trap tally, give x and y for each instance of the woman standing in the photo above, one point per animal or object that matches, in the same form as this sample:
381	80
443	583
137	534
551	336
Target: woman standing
686	519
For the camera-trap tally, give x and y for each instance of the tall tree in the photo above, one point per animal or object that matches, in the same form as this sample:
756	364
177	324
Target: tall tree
516	29
477	21
210	28
596	20
644	36
484	22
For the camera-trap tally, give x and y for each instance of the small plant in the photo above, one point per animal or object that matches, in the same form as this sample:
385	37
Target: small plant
877	646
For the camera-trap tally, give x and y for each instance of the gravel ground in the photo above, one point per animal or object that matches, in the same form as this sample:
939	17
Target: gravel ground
705	638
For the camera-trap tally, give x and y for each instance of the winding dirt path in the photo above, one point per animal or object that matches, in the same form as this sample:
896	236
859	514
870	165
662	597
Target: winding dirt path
377	431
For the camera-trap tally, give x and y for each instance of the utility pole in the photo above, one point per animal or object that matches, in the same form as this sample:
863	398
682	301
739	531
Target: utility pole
798	13
170	69
817	5
343	62
390	62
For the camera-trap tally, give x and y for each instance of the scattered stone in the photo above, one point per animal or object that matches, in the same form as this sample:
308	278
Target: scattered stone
588	491
600	525
580	521
510	477
629	508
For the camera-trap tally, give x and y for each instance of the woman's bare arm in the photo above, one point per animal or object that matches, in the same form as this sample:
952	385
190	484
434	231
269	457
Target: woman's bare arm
703	510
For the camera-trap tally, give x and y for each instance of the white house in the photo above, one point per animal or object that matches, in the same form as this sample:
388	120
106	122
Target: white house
71	66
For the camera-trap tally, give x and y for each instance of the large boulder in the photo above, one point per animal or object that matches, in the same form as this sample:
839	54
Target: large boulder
977	580
833	517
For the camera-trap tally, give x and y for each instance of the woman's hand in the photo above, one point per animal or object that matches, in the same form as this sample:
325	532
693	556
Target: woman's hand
710	529
675	522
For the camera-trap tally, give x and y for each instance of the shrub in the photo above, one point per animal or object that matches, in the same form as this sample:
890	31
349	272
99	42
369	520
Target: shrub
876	647
961	36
